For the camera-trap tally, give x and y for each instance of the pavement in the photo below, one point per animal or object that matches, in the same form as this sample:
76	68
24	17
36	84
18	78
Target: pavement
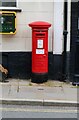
50	93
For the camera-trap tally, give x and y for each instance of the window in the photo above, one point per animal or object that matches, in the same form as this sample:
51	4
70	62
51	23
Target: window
8	3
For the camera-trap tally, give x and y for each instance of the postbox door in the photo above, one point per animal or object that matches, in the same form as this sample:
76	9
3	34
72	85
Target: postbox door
40	53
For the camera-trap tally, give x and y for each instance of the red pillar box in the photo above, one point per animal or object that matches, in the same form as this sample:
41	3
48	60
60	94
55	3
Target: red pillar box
39	51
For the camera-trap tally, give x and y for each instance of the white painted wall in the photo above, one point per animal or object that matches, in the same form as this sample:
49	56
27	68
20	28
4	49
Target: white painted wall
58	27
31	11
43	10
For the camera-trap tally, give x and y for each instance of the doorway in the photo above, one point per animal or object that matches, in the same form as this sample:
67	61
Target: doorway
74	51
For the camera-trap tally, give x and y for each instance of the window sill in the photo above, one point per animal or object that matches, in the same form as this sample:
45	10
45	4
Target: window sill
10	9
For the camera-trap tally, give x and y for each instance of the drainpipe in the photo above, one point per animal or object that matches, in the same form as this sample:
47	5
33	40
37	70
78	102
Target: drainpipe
65	32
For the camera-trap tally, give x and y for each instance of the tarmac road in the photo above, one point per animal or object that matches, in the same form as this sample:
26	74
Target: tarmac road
24	111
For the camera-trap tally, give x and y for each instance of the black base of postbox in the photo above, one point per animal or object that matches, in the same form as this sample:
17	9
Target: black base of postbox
39	77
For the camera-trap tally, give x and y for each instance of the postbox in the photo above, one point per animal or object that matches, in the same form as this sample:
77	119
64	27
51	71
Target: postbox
39	51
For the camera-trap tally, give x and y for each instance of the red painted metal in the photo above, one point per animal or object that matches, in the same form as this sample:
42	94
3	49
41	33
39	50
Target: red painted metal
40	46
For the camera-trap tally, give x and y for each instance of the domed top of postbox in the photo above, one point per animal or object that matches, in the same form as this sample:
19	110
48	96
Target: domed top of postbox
40	24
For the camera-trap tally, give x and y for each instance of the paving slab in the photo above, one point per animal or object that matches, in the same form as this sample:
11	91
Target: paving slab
53	92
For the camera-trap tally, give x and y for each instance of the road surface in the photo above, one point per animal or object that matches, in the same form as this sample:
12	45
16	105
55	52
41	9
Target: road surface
24	111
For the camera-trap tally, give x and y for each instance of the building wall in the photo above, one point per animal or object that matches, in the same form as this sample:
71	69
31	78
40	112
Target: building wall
31	11
58	27
16	49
